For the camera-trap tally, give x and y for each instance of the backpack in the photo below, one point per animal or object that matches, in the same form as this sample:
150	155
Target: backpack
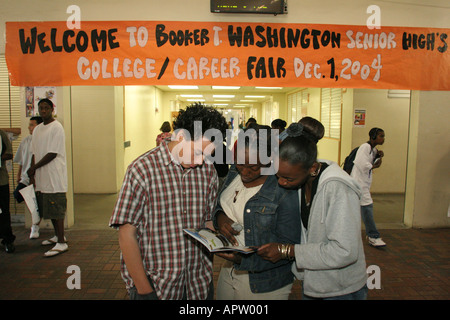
348	162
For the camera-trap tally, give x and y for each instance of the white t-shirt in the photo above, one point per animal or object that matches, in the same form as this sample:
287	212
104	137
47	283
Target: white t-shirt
23	157
362	171
52	177
233	201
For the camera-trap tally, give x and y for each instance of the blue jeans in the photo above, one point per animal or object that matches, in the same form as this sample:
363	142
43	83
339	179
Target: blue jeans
361	294
369	222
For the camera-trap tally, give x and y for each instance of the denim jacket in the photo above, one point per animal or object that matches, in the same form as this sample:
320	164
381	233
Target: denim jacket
271	215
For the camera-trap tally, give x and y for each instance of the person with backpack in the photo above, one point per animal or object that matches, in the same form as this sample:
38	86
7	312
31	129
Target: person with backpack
367	158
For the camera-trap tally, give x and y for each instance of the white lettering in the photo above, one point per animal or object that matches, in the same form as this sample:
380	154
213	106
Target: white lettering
374	279
131	31
215	67
142	36
74	21
216	38
374	20
83	62
74	281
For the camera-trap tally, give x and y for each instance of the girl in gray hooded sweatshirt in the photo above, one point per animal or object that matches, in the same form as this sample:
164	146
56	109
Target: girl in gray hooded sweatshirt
330	258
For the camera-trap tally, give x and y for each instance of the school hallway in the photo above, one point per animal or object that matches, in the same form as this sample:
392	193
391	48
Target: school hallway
415	264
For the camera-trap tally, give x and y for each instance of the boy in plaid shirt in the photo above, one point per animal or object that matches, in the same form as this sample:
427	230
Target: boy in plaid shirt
165	190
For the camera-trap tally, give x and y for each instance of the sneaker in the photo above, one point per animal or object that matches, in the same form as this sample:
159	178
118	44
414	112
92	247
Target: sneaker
9	247
34	231
376	242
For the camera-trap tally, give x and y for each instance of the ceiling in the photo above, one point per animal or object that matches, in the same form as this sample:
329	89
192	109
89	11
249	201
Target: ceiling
242	96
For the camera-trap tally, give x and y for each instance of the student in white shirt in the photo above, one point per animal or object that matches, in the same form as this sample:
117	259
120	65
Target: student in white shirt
23	158
368	158
48	172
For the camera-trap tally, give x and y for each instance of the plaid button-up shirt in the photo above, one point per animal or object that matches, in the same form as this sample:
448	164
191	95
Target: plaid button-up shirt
160	199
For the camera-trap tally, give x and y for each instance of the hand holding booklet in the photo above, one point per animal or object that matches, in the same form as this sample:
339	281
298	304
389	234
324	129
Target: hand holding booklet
29	196
215	242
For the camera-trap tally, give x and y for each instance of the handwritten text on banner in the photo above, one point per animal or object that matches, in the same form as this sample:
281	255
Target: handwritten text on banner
220	53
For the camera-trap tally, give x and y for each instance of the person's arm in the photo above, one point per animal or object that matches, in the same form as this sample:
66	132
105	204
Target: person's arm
127	217
132	256
343	232
364	159
44	161
7	156
19	174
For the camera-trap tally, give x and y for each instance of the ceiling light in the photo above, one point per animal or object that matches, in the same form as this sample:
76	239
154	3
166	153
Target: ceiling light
191	95
223	96
399	94
220	104
183	87
195	100
269	88
222	100
226	87
255	96
249	100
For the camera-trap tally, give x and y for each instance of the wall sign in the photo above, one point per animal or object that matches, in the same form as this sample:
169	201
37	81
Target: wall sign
359	118
221	53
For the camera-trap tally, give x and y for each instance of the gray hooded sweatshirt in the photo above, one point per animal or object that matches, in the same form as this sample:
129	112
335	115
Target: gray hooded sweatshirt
330	258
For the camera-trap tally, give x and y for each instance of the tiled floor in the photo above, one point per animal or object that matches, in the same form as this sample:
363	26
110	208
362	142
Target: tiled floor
414	265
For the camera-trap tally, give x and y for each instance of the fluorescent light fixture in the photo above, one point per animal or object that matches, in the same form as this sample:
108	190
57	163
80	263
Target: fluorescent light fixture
182	87
255	96
399	94
220	104
195	100
191	95
248	100
223	95
225	88
222	100
269	88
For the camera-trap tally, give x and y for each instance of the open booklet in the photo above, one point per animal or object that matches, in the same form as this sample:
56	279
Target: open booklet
215	242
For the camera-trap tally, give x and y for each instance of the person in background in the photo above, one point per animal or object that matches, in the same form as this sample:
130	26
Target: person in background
279	124
258	204
166	190
367	158
330	257
250	120
314	127
221	165
48	173
165	128
6	233
23	159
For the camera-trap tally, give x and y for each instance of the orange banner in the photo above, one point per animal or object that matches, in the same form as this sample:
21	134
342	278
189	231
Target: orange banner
221	53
